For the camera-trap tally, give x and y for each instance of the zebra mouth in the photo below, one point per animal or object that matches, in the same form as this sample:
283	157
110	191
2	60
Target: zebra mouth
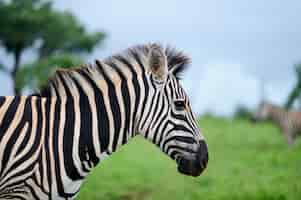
194	165
190	167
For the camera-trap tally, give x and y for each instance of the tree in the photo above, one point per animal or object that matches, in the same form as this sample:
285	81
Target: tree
242	112
20	26
295	93
28	22
42	68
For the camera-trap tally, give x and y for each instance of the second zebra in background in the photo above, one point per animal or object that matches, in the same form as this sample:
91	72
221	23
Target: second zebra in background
288	121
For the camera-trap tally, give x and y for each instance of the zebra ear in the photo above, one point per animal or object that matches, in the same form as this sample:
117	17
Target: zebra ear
158	63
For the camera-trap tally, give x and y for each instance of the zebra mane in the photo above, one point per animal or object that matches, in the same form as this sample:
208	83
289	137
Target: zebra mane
177	63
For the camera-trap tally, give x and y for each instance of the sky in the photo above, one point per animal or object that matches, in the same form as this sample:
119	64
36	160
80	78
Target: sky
235	46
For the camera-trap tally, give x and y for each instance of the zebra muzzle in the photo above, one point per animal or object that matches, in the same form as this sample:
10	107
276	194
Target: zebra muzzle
195	165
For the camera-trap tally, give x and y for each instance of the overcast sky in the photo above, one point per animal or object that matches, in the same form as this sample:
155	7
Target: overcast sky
233	44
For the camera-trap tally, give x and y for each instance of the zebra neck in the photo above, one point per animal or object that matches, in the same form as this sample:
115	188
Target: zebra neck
102	105
92	129
86	122
99	114
81	133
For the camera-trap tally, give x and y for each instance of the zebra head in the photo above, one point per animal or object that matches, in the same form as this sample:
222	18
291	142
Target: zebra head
169	122
262	112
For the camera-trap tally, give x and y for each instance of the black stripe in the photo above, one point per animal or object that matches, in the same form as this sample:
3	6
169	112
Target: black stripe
149	111
27	117
177	147
126	103
102	115
36	182
145	83
174	154
86	133
56	122
15	135
23	171
2	100
46	143
38	134
55	138
159	123
114	107
184	139
71	170
37	139
9	116
180	138
171	90
166	91
157	111
32	192
136	88
163	129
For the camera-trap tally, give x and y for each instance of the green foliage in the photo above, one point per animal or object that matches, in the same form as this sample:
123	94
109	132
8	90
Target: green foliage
246	161
36	24
35	75
295	93
24	22
242	112
21	23
63	33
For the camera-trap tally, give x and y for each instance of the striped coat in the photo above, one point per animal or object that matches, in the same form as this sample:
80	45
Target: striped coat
49	142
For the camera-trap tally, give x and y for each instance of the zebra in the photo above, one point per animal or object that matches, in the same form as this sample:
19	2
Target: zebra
51	140
288	121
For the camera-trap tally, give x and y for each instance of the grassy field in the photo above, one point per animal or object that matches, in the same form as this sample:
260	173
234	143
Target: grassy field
247	162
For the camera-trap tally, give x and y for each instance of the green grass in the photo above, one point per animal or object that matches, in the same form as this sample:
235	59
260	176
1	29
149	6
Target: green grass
246	161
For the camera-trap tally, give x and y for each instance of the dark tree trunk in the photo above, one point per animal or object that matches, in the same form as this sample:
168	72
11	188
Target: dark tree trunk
45	52
17	58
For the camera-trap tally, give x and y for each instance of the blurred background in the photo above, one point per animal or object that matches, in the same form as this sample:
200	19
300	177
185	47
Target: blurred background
242	52
236	47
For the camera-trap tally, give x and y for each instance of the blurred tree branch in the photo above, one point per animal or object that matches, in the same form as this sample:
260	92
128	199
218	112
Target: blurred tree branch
4	69
64	33
42	68
25	22
295	93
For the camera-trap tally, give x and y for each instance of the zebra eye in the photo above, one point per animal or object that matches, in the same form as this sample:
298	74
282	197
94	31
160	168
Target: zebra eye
179	105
